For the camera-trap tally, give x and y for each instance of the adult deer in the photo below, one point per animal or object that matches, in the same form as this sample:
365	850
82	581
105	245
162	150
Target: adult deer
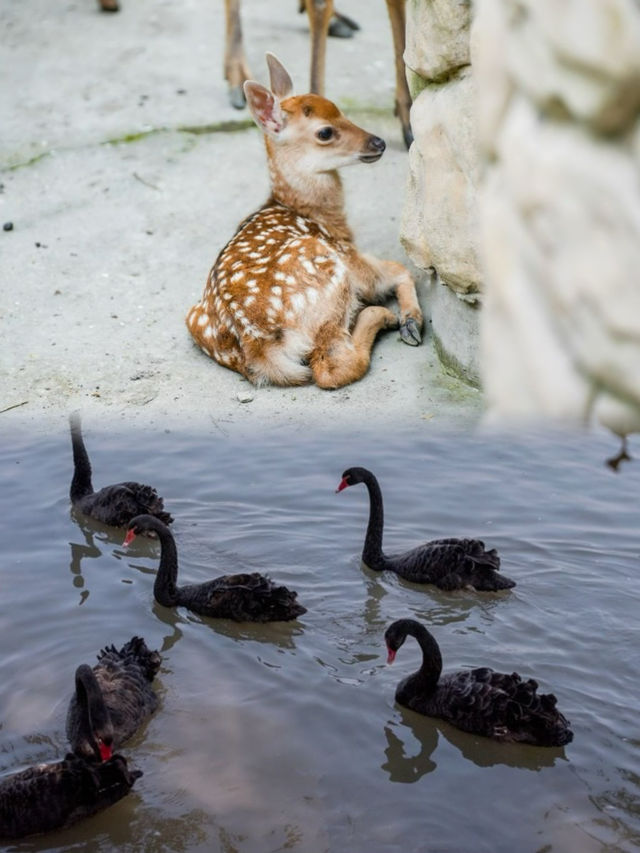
321	12
283	301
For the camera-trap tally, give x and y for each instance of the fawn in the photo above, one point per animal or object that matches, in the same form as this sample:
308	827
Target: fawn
283	301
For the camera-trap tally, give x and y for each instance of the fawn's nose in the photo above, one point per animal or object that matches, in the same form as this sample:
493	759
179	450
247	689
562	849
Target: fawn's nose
375	144
373	149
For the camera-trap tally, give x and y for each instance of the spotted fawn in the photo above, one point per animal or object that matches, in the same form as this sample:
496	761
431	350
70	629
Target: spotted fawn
283	303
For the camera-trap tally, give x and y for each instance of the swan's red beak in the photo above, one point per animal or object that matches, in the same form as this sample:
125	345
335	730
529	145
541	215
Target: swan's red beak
105	751
128	539
391	655
343	485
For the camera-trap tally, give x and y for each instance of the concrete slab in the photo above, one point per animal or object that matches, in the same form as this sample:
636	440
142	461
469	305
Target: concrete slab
125	170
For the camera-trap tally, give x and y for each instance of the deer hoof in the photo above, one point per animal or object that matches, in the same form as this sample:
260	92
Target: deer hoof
342	27
236	97
410	332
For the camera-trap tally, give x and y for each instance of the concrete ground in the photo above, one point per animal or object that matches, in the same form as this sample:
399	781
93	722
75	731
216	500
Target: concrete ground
125	170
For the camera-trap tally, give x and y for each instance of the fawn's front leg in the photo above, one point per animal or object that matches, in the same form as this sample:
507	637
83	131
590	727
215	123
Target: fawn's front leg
392	276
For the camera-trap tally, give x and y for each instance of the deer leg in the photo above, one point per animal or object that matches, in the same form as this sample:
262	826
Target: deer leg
403	98
236	69
320	12
109	5
392	276
341	26
340	358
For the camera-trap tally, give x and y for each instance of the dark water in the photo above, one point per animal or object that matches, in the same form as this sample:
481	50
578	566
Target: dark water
287	737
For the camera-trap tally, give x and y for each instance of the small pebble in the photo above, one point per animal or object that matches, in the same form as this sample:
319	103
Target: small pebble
8	226
245	396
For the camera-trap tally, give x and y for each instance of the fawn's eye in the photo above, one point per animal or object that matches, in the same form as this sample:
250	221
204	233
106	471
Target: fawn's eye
325	134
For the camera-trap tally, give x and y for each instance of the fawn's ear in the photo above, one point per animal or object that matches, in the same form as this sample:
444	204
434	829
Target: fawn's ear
281	83
264	107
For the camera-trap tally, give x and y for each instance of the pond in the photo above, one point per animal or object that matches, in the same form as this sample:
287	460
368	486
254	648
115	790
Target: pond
286	736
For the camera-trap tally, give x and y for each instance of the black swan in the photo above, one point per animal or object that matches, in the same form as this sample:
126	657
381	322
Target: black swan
112	700
446	563
114	505
53	796
244	598
481	701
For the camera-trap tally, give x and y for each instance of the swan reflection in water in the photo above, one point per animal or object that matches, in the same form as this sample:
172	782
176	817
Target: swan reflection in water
91	530
430	605
405	764
96	532
280	634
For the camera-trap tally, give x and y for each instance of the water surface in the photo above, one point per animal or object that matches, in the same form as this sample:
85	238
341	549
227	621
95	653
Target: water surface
287	736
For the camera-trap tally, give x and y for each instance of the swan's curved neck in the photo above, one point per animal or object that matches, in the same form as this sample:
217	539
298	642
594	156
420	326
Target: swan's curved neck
429	673
165	588
94	715
81	483
372	555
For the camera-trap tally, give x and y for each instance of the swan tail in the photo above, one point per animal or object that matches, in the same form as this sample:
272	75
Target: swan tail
532	717
255	598
539	722
484	577
275	604
474	548
147	502
136	650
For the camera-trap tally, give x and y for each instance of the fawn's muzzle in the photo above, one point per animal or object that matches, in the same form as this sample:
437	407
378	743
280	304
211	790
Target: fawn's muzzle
374	149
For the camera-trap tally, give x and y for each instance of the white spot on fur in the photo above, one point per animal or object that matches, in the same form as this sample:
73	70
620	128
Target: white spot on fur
298	301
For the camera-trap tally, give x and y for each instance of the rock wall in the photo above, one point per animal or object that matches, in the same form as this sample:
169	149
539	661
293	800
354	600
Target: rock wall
524	194
558	99
440	228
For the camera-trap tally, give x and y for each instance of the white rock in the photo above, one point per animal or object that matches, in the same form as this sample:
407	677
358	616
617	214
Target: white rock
437	37
439	225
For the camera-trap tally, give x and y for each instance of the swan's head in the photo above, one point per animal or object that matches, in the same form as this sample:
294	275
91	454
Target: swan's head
352	476
394	637
147	525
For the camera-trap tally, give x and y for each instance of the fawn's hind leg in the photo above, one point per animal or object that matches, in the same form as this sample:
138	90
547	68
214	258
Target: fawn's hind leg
392	276
340	358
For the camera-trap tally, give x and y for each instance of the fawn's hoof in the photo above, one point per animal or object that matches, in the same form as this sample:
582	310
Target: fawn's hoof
407	135
342	27
236	97
410	332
